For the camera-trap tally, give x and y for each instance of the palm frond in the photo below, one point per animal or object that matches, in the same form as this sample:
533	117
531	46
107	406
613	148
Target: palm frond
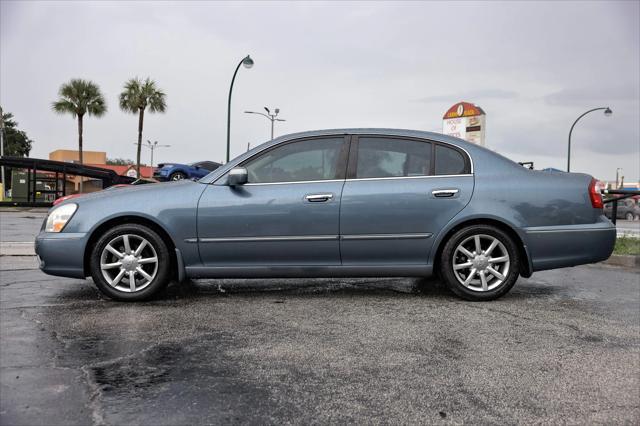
79	97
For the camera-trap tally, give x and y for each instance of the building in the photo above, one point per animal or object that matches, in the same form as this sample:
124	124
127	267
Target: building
73	156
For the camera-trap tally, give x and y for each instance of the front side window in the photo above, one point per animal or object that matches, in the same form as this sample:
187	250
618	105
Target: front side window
389	157
449	161
308	160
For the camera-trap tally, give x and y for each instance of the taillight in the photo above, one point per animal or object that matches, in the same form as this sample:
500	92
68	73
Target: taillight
594	194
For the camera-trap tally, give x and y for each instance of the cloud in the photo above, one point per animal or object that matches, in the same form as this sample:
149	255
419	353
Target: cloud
477	95
593	95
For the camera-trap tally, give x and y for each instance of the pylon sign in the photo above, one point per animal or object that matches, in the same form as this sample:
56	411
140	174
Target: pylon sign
466	121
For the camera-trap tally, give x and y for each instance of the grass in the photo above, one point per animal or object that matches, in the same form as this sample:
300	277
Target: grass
627	245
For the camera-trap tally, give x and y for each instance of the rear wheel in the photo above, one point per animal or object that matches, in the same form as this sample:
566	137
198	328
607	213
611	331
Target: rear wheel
629	216
480	262
130	263
177	176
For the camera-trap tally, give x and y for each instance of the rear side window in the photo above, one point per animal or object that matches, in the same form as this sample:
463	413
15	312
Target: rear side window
449	161
389	157
307	160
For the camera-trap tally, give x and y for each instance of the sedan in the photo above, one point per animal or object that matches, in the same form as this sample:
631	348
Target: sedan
176	171
336	203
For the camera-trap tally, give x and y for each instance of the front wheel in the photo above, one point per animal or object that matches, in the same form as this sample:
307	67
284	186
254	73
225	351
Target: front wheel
177	176
629	216
480	262
130	263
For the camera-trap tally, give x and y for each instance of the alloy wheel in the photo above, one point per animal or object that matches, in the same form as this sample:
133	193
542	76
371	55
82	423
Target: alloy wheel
129	263
481	263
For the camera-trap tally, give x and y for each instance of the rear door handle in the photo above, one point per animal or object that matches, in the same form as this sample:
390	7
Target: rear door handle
444	193
318	198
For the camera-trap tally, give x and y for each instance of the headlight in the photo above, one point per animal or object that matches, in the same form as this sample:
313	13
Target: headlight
59	217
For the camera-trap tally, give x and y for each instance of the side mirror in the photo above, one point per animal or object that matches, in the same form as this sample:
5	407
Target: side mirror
237	176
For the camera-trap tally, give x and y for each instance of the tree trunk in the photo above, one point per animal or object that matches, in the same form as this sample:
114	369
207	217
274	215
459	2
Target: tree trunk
140	122
80	159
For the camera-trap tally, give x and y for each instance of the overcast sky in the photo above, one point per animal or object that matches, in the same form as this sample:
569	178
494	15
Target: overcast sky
532	66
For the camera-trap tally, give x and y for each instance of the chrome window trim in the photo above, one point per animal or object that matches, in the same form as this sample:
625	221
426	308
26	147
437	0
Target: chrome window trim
296	181
411	177
357	179
433	141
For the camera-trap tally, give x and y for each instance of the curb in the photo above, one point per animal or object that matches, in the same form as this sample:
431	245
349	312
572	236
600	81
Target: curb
628	261
17	248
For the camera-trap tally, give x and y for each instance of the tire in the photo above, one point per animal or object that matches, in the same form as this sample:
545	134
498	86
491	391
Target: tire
493	287
114	281
177	176
628	216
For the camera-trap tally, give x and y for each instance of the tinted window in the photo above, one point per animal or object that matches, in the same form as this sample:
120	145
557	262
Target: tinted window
313	159
387	157
449	161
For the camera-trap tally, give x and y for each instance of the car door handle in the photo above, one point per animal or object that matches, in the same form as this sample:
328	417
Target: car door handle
318	198
444	193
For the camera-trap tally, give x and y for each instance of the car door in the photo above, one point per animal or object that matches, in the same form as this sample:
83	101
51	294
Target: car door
399	193
286	215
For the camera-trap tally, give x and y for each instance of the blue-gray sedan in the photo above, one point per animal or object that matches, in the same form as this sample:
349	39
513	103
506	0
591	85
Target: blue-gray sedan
336	203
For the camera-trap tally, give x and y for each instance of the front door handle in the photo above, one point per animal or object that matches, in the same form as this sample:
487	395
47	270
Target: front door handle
444	193
318	198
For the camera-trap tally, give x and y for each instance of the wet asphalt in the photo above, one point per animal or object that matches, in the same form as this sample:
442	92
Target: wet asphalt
561	347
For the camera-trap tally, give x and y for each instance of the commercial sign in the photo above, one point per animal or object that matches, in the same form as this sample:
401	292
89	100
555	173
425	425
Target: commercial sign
466	121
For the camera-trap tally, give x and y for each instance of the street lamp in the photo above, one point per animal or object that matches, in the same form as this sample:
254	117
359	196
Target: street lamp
607	113
618	170
269	115
247	62
153	146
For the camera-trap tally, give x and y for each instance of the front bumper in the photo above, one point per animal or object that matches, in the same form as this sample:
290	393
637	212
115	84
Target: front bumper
62	253
563	246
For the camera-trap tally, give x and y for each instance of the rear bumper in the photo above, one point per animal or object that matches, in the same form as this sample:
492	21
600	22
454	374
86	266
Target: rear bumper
61	254
553	247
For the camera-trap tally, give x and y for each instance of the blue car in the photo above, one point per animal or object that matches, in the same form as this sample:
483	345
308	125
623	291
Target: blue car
336	203
175	171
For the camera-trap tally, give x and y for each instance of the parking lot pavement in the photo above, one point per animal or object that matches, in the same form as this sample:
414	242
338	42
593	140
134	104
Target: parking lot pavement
628	227
21	225
562	347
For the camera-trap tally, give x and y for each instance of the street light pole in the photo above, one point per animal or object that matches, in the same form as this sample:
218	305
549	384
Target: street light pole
617	176
247	62
153	146
269	115
607	112
4	182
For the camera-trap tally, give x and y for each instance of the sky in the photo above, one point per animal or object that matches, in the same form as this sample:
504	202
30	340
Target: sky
534	67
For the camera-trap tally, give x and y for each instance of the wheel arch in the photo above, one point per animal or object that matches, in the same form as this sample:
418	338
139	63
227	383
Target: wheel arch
526	267
100	229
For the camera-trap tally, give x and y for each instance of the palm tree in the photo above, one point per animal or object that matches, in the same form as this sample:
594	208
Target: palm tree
79	97
136	97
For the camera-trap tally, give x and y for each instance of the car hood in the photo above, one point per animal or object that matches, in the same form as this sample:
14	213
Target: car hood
145	191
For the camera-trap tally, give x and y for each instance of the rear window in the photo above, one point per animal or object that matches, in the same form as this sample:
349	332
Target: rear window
449	161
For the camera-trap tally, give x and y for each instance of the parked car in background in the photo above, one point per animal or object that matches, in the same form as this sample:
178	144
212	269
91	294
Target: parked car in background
627	209
336	203
175	171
